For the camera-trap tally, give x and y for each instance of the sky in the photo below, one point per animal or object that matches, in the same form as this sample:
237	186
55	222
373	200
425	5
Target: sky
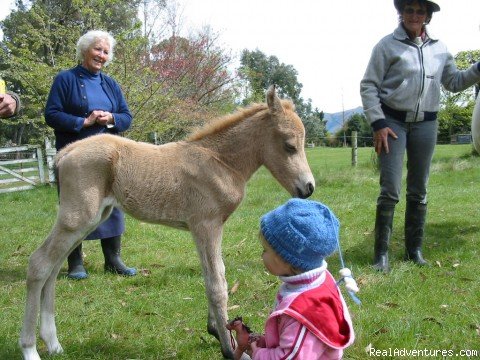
328	42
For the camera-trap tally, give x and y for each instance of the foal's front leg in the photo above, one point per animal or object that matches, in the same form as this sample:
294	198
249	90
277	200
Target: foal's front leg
208	238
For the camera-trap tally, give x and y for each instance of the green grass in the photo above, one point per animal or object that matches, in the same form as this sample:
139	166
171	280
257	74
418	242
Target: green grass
161	313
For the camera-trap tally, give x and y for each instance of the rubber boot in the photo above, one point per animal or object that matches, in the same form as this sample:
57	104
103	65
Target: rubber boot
415	215
113	261
76	271
383	232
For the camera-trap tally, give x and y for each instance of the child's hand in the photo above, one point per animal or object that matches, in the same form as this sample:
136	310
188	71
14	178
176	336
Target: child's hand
257	341
242	334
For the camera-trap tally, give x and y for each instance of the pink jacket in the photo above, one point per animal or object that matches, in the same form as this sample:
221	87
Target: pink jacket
310	320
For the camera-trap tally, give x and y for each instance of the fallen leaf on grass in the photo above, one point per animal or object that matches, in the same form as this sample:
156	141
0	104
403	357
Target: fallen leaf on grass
18	251
157	265
389	305
188	330
432	319
234	288
145	272
233	307
475	327
381	331
438	263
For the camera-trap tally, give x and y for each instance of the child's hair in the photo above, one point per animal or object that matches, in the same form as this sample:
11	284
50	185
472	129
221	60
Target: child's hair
302	232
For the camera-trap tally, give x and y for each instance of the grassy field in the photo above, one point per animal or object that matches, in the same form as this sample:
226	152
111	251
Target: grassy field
161	313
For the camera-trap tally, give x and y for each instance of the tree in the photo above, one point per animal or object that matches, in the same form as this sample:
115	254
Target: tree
314	125
39	41
170	84
258	71
194	68
357	122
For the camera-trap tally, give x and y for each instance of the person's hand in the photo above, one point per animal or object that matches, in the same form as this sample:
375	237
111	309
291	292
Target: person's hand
258	342
104	118
92	118
7	105
380	139
242	336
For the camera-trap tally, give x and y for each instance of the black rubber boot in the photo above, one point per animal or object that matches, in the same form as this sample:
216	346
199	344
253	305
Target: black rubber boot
76	271
383	232
415	215
113	262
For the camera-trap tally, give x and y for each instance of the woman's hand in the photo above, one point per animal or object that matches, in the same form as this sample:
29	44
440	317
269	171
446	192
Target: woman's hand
380	139
98	117
105	118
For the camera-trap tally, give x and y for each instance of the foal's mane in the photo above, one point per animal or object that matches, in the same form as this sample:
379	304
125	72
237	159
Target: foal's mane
217	125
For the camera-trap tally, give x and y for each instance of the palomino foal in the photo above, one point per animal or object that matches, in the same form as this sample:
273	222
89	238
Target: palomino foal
193	185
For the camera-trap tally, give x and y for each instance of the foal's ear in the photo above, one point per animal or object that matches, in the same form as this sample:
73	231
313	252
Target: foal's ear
273	101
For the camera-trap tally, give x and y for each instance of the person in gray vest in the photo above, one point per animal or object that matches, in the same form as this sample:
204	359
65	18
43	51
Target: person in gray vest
400	93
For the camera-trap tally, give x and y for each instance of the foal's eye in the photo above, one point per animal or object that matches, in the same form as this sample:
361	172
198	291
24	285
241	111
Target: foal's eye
291	149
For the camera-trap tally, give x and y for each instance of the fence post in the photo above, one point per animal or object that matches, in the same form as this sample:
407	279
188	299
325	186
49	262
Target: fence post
50	153
354	148
41	170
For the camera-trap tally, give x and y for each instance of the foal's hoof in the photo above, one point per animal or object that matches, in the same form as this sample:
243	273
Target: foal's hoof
55	348
30	353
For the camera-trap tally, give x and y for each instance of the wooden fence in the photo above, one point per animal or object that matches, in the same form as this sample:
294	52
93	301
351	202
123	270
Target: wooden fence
23	167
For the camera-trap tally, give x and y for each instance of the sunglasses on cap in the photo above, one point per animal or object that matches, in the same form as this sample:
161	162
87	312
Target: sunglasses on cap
411	11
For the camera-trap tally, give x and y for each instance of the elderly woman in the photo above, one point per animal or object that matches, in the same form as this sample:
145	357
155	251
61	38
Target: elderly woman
85	102
401	96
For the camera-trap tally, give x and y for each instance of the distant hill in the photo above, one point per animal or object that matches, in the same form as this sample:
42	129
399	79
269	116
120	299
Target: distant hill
335	120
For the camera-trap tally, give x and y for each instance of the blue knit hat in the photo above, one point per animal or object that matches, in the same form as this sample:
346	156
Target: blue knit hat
302	232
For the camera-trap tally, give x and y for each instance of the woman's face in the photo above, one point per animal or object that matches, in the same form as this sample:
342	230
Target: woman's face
96	56
414	17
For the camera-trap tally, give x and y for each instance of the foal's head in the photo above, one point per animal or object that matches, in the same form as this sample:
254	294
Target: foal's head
284	148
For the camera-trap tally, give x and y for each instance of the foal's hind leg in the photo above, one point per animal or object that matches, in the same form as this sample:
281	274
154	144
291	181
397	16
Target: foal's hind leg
40	268
43	268
48	330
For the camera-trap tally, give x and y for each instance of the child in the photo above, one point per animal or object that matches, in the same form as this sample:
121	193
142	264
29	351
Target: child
310	319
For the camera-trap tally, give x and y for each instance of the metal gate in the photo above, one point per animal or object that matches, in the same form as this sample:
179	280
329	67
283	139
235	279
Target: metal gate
21	168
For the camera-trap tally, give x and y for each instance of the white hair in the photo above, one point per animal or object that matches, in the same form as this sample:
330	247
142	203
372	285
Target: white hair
89	39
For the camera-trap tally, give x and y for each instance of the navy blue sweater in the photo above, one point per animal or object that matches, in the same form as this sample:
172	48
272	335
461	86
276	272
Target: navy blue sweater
67	107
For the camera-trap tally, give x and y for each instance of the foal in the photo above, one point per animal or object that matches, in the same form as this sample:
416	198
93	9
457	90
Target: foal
193	185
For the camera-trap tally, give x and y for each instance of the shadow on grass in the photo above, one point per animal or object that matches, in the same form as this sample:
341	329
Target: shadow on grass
441	237
12	275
